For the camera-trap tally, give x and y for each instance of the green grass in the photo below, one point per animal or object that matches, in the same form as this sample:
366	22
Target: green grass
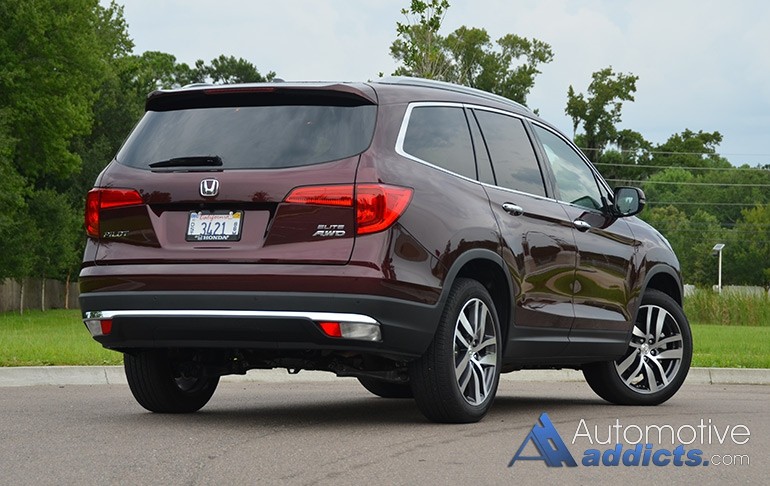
731	346
58	337
728	309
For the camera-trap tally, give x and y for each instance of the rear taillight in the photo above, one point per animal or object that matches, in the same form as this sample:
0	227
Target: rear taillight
99	199
377	206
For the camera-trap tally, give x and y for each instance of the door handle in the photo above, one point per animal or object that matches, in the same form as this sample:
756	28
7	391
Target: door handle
513	209
581	225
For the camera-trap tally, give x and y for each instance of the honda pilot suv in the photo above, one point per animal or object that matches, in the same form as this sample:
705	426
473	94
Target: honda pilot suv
420	236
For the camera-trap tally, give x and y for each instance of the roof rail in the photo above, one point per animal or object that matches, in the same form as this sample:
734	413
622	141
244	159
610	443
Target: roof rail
432	83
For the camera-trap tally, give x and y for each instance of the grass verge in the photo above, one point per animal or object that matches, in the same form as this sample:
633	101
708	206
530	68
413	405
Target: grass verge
55	337
58	337
716	346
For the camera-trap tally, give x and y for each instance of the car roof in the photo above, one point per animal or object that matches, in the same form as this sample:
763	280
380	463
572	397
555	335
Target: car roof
389	90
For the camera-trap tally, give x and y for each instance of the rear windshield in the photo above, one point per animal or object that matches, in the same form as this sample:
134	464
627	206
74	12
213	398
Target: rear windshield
251	137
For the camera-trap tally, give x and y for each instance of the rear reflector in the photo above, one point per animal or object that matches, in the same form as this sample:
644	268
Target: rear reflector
331	329
377	206
99	199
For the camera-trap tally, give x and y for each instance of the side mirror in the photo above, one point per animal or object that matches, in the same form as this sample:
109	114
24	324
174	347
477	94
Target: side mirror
628	201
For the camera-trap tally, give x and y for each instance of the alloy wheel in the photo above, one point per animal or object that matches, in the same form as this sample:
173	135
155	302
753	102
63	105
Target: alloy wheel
475	352
655	352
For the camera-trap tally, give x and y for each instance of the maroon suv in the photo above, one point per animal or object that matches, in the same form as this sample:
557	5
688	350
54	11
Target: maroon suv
420	236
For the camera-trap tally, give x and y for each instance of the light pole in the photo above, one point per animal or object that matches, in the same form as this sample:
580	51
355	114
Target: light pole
717	251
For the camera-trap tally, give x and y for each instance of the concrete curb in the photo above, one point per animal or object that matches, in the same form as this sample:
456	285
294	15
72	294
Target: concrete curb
113	375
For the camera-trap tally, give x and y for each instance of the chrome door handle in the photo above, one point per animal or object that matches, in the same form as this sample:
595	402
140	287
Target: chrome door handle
581	225
513	209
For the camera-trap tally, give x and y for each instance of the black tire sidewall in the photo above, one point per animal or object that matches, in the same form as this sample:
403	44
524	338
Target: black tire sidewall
433	379
151	379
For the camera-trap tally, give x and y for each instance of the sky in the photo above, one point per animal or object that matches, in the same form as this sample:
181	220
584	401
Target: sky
702	64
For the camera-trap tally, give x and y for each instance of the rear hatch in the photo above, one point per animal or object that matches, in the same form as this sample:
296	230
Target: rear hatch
241	174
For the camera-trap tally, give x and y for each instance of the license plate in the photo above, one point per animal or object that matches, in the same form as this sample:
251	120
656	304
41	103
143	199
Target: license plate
214	226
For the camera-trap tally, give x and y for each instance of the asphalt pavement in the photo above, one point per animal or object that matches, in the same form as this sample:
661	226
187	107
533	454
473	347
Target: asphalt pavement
308	429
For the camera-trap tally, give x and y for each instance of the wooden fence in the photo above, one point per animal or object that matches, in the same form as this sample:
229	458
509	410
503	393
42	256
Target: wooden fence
37	294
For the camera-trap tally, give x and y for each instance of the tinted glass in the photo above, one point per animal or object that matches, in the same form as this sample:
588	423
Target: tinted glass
574	178
439	135
246	137
513	157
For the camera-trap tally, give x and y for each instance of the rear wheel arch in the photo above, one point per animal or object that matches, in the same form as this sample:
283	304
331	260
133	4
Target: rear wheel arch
487	268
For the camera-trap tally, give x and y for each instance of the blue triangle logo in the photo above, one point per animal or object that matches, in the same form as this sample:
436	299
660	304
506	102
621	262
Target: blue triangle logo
548	443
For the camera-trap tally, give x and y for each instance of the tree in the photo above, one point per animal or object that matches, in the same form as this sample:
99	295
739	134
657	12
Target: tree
690	150
476	63
599	110
228	69
52	66
749	245
419	47
467	56
626	161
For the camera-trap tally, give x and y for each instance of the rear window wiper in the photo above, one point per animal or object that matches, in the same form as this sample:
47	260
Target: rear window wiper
192	161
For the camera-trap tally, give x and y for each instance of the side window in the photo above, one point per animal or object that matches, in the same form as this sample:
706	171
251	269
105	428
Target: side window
574	178
439	135
513	157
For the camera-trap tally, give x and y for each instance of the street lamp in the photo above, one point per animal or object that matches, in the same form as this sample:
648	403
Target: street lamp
717	251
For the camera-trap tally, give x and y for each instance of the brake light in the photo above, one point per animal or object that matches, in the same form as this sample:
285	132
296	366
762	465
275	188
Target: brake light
98	199
377	206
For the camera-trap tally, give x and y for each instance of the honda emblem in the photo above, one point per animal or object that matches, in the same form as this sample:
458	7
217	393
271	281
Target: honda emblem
209	187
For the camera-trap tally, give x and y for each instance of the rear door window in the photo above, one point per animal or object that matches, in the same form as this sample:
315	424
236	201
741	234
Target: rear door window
251	137
439	135
513	156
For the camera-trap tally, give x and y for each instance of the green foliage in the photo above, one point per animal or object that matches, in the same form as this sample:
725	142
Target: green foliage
599	110
467	56
52	64
49	214
748	249
419	47
478	64
70	91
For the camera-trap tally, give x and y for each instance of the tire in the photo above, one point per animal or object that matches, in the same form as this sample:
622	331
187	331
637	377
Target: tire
657	360
158	387
455	381
386	389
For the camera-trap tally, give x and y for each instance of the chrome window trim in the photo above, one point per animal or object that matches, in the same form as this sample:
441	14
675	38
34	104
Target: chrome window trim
313	316
405	123
402	135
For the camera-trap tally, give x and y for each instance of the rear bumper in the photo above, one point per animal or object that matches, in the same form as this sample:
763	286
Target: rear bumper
258	320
